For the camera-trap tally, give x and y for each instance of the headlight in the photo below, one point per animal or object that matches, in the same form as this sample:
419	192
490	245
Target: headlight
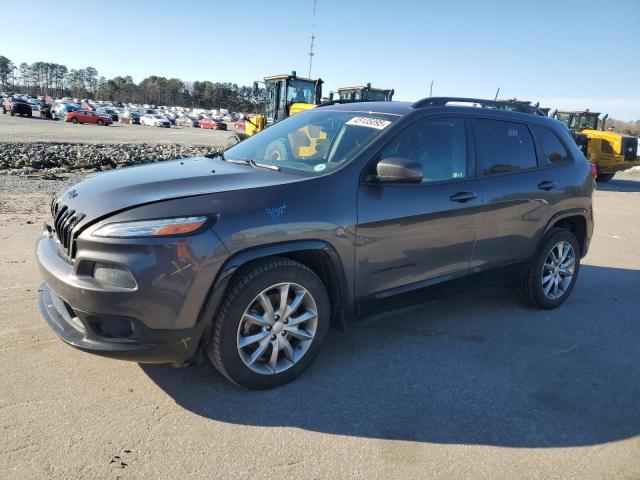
151	228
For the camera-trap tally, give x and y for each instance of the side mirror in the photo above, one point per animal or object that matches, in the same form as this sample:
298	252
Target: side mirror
399	170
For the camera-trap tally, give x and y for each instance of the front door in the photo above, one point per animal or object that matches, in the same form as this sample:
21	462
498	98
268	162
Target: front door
413	234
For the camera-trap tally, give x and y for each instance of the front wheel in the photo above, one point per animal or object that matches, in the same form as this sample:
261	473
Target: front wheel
552	276
74	121
271	324
100	123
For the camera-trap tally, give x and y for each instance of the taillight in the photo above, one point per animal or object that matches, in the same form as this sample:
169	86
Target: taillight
594	170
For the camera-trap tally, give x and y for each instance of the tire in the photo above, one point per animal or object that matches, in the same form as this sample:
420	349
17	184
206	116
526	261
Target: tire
4	110
269	277
74	121
29	114
532	287
277	151
100	123
604	177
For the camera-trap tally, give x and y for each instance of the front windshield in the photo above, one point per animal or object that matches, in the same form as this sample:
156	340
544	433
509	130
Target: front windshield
300	91
587	121
314	141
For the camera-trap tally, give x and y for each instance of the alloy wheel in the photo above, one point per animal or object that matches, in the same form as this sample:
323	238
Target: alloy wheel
558	269
277	328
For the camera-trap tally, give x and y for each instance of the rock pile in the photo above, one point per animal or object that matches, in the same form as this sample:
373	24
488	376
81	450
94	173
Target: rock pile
23	158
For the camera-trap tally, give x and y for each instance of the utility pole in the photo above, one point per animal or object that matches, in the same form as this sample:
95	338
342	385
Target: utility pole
313	37
496	97
431	89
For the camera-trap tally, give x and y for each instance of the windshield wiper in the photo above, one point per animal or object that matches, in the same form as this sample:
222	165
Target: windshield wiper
216	153
265	165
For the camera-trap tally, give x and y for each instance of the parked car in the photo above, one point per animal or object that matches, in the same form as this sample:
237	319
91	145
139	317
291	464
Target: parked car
185	121
45	110
155	120
109	112
84	116
214	124
239	124
15	105
235	259
129	117
61	110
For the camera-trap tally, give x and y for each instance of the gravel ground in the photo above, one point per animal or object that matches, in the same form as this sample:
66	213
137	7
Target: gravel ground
474	386
36	129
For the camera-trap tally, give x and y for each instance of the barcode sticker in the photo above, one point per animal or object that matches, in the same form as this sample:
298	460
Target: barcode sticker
376	123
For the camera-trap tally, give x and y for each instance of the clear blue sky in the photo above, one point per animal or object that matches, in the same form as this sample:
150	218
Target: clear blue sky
565	53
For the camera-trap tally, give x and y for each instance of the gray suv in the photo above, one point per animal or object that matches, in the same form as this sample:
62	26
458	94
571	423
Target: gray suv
248	257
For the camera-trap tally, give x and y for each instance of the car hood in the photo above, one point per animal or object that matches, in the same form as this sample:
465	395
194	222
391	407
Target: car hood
117	190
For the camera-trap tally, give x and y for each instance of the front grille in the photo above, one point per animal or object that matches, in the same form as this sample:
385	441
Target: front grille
64	221
629	147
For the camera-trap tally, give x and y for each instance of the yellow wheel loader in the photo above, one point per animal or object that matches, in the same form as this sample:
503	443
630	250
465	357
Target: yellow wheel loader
365	93
611	152
286	95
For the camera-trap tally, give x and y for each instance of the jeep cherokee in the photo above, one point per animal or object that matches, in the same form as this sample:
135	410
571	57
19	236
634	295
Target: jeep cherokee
249	256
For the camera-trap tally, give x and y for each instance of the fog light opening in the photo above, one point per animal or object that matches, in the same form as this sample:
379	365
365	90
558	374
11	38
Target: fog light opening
113	275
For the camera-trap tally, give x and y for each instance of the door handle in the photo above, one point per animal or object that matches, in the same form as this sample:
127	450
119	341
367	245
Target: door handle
462	197
547	185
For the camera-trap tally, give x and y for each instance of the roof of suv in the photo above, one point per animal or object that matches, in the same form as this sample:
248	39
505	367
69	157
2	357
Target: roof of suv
402	108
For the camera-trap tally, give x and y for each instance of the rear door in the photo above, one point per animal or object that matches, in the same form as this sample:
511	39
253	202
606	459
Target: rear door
519	192
409	235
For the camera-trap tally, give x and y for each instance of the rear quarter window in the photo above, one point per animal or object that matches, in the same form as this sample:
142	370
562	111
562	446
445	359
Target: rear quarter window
504	146
552	148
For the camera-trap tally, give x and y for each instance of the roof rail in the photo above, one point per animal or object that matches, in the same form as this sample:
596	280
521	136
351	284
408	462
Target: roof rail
495	104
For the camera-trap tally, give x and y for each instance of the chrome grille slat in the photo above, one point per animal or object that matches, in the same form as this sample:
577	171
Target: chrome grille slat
65	222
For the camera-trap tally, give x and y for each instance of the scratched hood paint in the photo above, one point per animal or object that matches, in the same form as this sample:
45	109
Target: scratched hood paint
118	190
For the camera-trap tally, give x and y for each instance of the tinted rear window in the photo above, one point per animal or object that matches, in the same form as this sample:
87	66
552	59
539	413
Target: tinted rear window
504	146
554	151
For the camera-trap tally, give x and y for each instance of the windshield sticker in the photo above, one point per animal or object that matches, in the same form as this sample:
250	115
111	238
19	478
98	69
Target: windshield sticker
376	123
320	167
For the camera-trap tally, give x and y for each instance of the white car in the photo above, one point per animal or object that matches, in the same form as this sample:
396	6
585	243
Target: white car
154	120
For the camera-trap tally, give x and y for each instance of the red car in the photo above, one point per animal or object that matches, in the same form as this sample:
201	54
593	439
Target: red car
215	124
239	124
82	116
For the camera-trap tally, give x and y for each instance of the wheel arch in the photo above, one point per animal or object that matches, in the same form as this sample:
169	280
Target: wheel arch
576	221
318	255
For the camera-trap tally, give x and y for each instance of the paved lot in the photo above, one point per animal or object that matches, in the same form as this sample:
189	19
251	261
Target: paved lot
36	129
475	386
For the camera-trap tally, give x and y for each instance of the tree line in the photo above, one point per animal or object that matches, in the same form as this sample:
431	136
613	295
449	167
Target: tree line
56	80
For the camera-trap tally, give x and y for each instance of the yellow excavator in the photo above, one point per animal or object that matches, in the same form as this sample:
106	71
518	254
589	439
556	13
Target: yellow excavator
286	95
365	93
611	152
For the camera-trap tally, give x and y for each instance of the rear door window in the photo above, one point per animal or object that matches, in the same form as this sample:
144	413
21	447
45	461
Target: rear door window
504	146
552	148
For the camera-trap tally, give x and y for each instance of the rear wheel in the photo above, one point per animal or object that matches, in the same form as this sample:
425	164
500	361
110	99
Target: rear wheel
4	110
271	324
100	123
552	276
604	177
29	114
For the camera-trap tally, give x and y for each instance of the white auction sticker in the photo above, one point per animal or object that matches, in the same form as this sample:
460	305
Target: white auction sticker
376	123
